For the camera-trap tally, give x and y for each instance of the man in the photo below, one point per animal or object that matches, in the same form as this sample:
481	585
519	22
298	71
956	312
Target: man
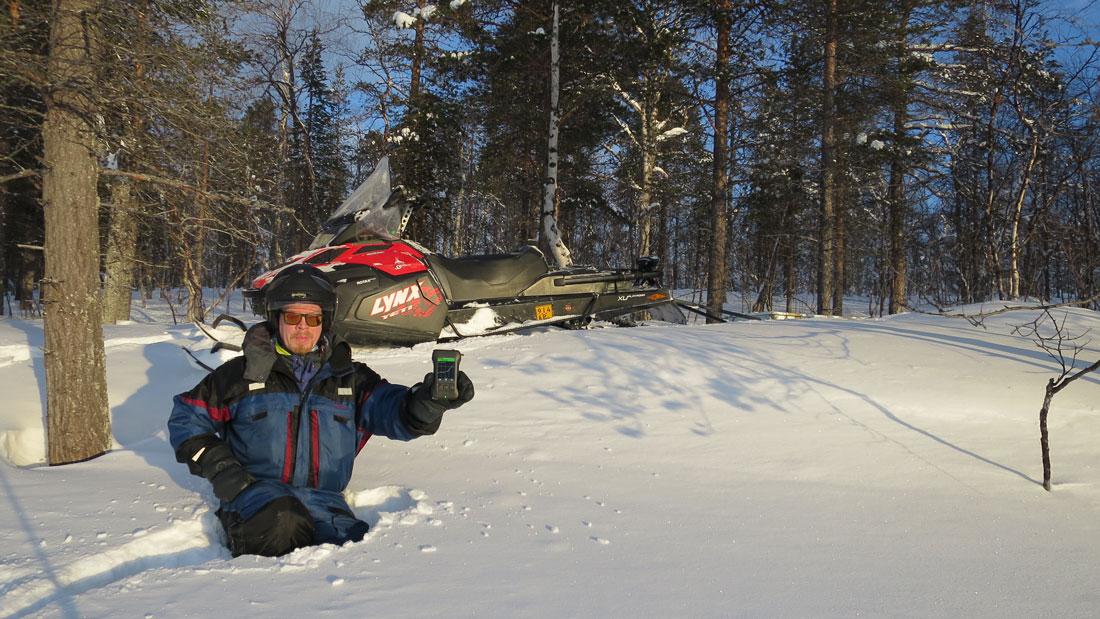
276	430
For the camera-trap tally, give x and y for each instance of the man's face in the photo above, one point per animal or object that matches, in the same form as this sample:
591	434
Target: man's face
300	338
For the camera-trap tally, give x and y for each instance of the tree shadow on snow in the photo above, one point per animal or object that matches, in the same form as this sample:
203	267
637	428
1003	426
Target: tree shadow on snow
1029	354
48	571
32	590
628	370
794	379
140	423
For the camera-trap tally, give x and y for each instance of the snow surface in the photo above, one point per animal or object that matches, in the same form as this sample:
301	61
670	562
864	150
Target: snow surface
822	467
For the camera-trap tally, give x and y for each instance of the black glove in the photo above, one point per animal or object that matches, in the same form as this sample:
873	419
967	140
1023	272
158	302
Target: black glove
231	482
218	464
422	415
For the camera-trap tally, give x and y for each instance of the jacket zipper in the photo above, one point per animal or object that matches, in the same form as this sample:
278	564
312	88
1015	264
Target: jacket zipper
298	414
293	432
294	424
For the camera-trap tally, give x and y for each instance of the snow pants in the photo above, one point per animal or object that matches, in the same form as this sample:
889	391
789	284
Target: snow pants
271	518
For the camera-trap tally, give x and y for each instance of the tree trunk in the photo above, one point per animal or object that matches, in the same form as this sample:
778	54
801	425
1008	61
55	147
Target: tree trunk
989	229
1044	436
122	228
790	266
195	234
282	230
4	232
897	211
645	197
828	167
716	273
121	247
647	138
1017	216
462	237
551	235
662	245
417	52
78	421
840	234
192	271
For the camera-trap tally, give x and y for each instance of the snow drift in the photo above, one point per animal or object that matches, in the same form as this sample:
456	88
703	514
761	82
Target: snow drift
822	467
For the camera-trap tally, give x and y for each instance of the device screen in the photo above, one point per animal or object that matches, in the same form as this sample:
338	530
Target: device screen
445	363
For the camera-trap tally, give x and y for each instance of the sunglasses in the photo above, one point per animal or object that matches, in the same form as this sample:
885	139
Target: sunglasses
312	320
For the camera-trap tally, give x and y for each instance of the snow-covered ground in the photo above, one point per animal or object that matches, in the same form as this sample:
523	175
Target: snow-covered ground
824	467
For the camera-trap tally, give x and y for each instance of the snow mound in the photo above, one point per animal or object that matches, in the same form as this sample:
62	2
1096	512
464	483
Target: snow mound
390	504
14	353
23	447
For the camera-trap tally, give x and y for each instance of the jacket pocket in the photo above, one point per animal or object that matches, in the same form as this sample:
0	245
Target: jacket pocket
254	433
337	449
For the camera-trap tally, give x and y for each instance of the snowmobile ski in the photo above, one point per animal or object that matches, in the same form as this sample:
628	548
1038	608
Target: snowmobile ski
704	311
237	322
196	359
218	343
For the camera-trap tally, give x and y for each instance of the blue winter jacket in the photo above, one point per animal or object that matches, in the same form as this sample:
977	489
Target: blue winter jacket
306	438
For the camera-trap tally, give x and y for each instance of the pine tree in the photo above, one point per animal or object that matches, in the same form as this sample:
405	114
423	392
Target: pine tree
418	47
322	150
78	421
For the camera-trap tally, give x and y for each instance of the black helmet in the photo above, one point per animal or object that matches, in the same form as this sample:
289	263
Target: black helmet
300	283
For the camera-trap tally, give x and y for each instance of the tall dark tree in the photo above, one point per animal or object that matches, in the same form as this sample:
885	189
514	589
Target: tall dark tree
415	46
318	160
78	421
717	271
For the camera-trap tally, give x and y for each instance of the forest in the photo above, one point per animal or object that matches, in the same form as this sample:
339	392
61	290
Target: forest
901	152
893	150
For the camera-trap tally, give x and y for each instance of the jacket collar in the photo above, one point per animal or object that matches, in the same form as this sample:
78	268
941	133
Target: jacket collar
261	357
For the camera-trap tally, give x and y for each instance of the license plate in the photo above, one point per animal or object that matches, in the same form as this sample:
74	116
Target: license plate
544	312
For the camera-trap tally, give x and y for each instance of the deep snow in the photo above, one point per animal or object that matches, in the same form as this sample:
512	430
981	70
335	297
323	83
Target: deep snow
824	467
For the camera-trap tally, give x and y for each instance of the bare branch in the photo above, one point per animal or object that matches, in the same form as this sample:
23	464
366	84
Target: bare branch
215	195
18	175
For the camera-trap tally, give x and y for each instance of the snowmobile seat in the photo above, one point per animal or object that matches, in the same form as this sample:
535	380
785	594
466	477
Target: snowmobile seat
494	276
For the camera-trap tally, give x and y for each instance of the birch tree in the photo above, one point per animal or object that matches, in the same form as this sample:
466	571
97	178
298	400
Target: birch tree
550	232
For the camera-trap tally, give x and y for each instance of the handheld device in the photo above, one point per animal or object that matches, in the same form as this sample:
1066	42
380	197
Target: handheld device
445	363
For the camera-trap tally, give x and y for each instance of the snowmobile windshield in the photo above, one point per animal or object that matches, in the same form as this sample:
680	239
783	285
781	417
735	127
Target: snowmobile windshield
374	211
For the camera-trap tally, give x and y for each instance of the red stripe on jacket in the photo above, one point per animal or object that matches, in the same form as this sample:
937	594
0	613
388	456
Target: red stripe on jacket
365	436
366	393
362	441
288	457
217	413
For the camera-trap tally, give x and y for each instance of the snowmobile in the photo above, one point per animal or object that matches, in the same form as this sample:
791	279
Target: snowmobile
393	291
